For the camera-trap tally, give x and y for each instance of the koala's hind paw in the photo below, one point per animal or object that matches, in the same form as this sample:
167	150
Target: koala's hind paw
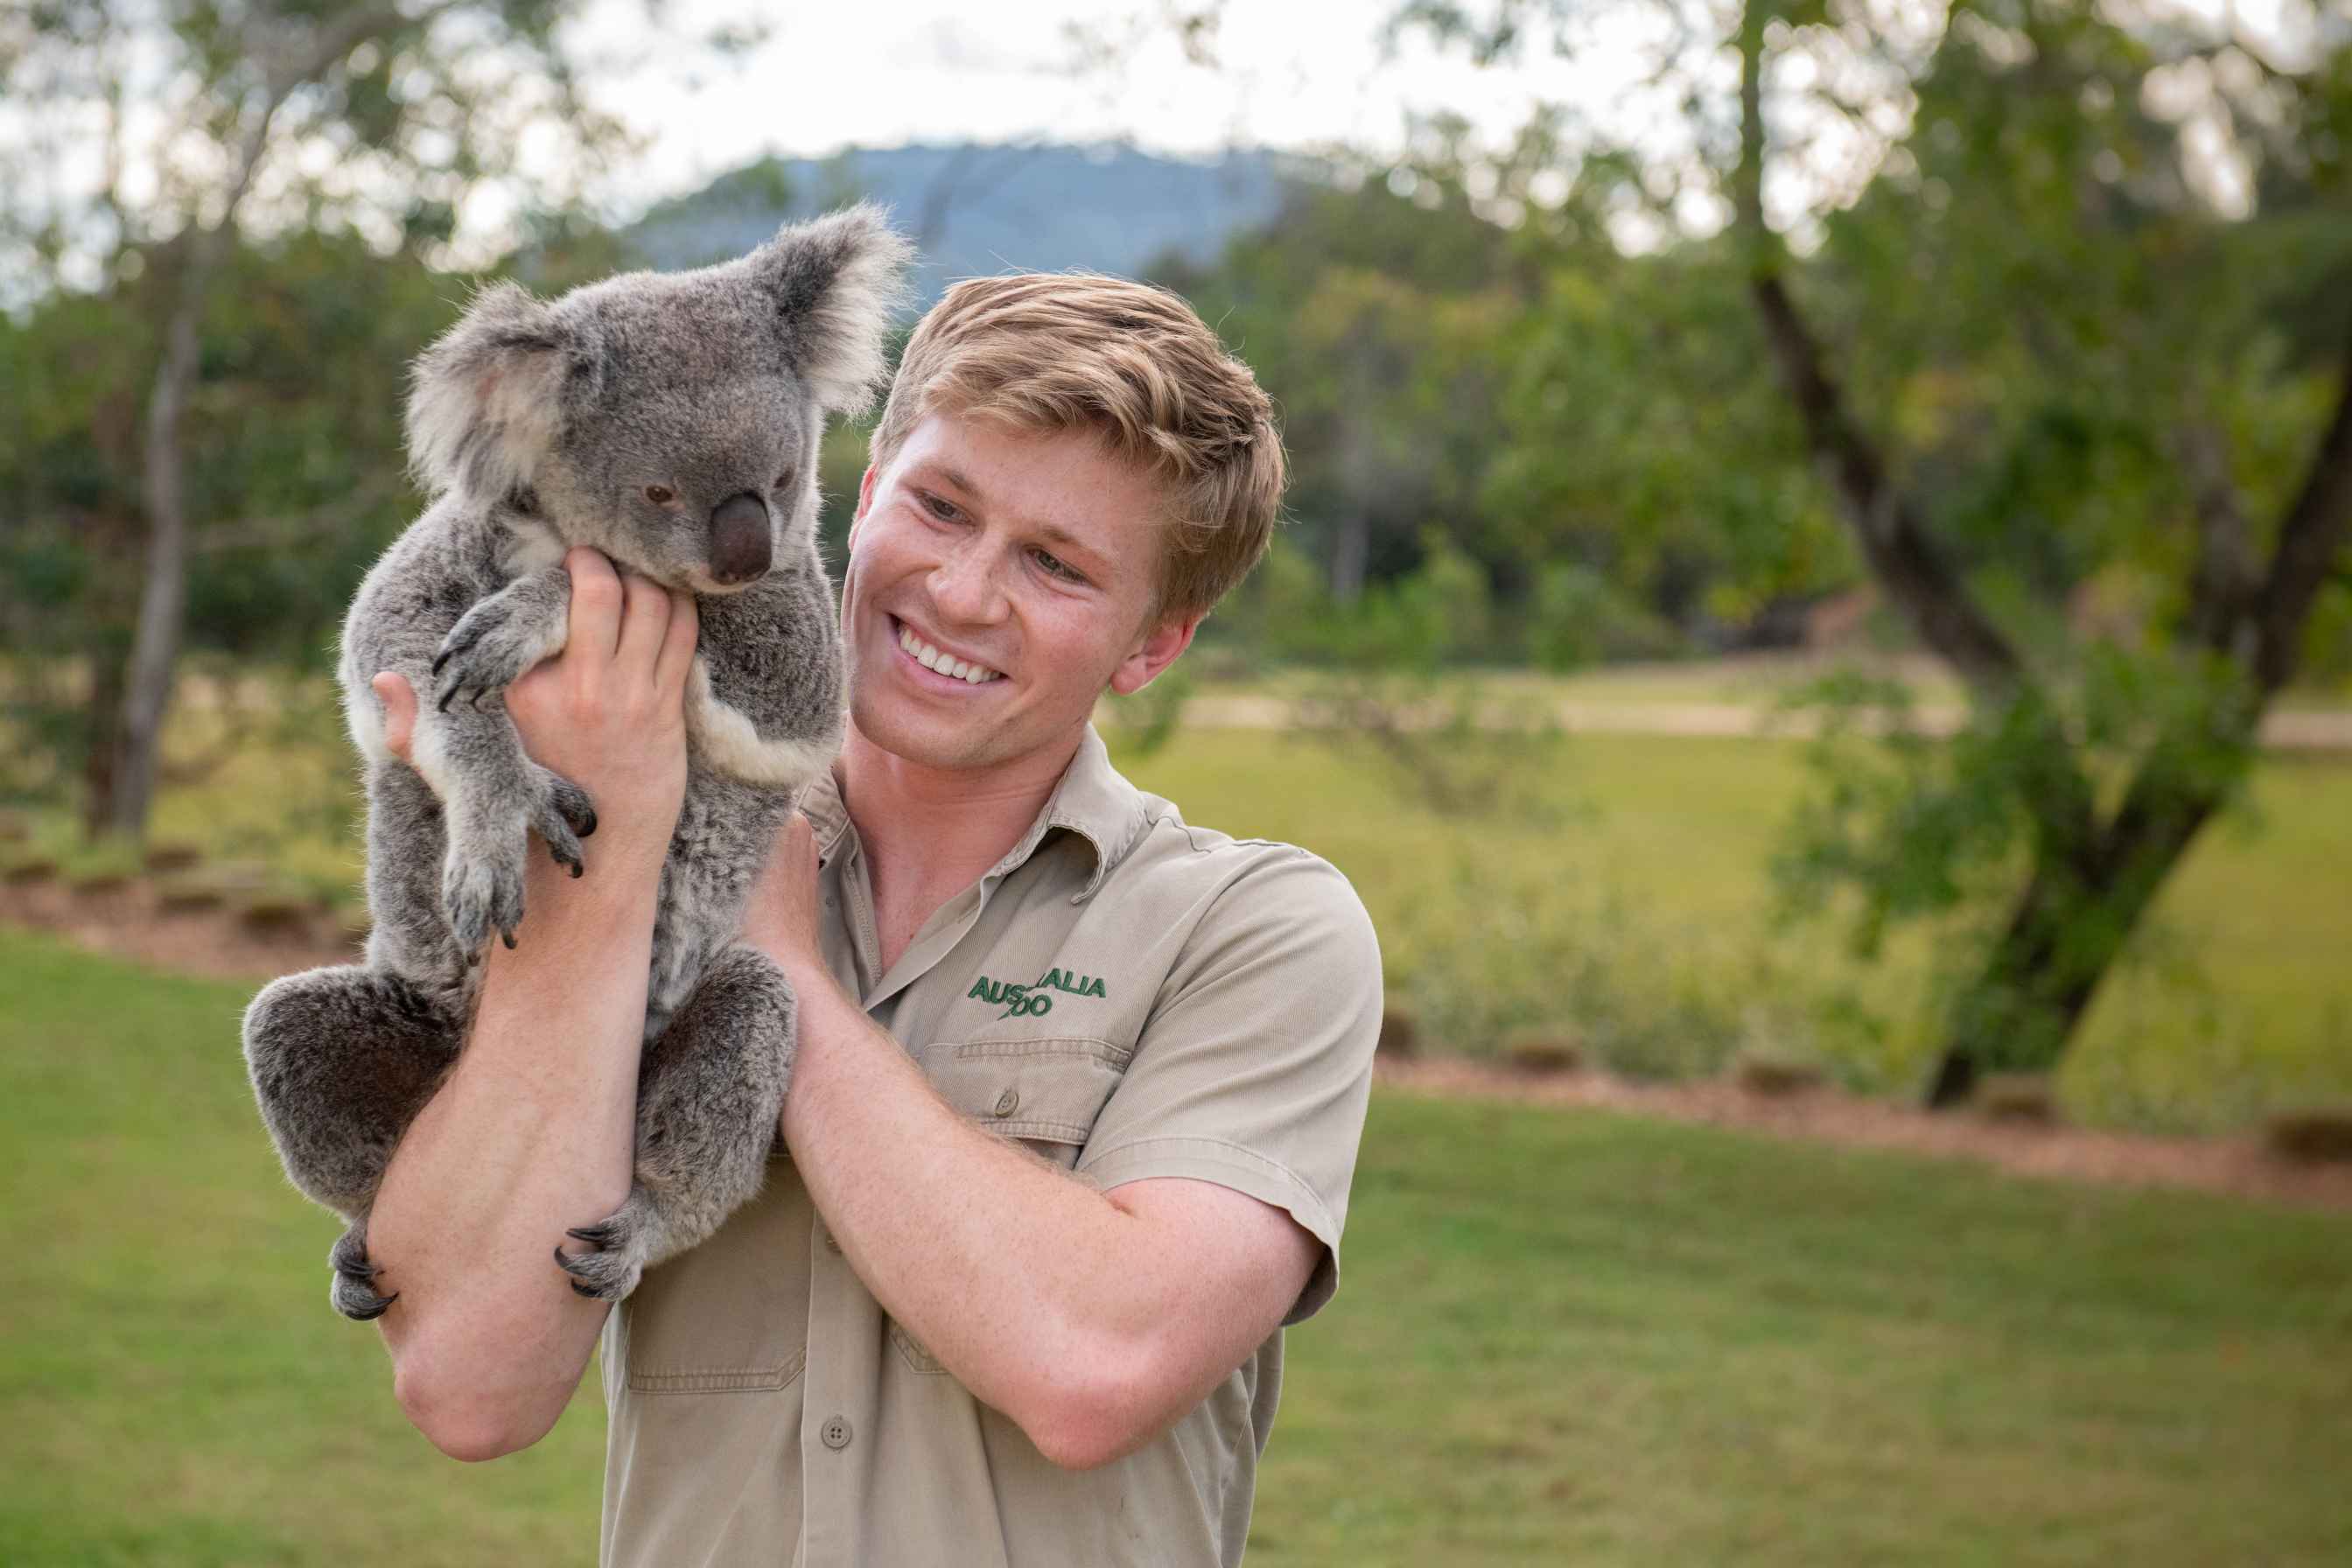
354	1292
621	1243
490	649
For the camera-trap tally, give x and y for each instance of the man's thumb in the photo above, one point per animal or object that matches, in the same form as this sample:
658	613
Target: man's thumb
399	700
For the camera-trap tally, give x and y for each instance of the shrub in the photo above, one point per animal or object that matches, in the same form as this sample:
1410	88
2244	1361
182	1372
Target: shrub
2313	1136
1775	1076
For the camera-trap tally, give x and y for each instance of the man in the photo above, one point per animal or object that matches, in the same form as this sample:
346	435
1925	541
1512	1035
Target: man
1078	1086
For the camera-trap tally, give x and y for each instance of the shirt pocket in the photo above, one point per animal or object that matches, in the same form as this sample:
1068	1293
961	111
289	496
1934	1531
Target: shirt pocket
730	1315
1045	1092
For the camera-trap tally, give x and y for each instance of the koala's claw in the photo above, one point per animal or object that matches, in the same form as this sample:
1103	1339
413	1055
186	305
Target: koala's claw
572	804
490	647
622	1244
562	816
354	1292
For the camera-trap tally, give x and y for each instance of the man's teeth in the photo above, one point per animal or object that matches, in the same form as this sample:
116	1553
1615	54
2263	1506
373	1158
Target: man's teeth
932	659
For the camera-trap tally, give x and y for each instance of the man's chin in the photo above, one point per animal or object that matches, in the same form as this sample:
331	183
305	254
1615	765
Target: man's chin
932	741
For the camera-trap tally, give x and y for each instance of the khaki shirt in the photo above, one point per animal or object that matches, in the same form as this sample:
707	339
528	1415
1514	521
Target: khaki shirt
1133	997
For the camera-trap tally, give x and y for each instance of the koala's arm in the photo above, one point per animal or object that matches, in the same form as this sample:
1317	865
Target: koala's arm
502	636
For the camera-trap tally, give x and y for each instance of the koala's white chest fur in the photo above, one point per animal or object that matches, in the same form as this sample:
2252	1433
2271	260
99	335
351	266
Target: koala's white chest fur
726	740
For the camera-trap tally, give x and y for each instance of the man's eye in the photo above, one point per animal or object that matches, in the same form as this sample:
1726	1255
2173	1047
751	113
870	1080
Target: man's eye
945	510
1057	567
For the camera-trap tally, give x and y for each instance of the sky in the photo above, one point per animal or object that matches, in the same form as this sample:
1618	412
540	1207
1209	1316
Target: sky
1291	73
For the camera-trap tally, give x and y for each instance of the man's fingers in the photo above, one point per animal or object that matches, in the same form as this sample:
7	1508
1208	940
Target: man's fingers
645	623
399	700
596	624
678	643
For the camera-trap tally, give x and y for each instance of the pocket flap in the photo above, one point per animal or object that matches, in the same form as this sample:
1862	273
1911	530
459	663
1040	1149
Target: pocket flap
1050	1089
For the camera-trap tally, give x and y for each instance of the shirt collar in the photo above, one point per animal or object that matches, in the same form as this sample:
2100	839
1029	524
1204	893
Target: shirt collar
1092	800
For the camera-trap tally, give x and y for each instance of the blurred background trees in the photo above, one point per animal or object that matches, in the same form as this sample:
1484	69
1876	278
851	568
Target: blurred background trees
2005	342
272	180
2057	303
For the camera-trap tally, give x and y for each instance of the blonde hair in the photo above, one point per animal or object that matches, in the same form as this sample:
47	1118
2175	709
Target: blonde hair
1078	351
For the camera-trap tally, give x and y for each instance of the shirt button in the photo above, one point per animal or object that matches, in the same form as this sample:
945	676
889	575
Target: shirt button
835	1432
1007	1102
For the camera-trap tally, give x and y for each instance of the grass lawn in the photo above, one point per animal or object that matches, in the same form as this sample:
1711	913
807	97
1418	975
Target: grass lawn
1564	1338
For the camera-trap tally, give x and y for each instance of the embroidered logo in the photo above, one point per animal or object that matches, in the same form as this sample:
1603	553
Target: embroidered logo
1032	1001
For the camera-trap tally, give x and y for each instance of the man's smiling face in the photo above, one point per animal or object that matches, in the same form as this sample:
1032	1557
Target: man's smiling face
999	579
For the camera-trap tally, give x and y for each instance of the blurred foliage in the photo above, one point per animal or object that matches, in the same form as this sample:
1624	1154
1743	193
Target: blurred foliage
2042	305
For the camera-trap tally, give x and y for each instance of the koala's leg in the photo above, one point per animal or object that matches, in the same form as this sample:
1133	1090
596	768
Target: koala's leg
342	1060
708	1094
492	797
496	641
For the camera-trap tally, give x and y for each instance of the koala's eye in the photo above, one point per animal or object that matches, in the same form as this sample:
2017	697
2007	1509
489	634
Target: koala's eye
660	495
785	480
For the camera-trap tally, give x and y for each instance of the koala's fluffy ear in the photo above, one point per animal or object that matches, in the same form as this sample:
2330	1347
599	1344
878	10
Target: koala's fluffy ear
835	283
488	396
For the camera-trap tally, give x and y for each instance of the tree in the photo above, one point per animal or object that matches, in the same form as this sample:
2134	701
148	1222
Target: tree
1370	311
2054	293
225	119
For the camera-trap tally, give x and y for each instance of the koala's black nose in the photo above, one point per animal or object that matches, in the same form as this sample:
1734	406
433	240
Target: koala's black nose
740	545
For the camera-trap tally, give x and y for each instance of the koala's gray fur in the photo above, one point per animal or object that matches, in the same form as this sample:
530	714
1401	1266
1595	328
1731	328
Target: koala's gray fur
540	425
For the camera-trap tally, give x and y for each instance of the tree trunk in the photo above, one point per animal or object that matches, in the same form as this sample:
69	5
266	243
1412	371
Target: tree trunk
1351	552
2078	912
108	666
2016	1015
164	591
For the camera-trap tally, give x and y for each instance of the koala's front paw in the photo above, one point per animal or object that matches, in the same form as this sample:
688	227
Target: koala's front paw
622	1245
481	881
354	1292
491	646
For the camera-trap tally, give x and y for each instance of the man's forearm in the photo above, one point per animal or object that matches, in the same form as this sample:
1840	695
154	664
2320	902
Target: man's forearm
1035	1290
530	1134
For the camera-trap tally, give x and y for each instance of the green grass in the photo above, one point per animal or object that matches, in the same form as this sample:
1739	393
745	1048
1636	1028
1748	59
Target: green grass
1562	1337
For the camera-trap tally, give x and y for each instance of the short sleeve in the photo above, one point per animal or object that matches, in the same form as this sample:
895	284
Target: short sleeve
1255	1068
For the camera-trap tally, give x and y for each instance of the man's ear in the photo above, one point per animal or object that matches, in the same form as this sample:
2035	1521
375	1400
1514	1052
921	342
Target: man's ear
1155	653
865	501
488	396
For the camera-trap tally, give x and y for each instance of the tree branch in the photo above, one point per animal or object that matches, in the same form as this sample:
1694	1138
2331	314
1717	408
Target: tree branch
2310	537
1894	538
2222	586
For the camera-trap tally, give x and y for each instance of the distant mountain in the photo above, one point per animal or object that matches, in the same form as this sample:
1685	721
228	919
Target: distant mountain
976	209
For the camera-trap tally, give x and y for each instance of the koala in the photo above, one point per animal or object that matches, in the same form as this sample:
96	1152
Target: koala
671	421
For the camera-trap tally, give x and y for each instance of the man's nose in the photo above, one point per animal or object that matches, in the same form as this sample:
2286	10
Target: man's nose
964	584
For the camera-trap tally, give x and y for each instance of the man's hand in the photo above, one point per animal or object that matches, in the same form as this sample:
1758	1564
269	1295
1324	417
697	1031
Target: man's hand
780	920
609	711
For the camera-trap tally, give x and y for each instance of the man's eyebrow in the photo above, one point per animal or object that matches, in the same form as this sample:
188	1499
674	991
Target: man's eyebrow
960	479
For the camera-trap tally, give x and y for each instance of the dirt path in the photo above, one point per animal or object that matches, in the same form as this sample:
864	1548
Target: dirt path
221	944
218	943
2241	1166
